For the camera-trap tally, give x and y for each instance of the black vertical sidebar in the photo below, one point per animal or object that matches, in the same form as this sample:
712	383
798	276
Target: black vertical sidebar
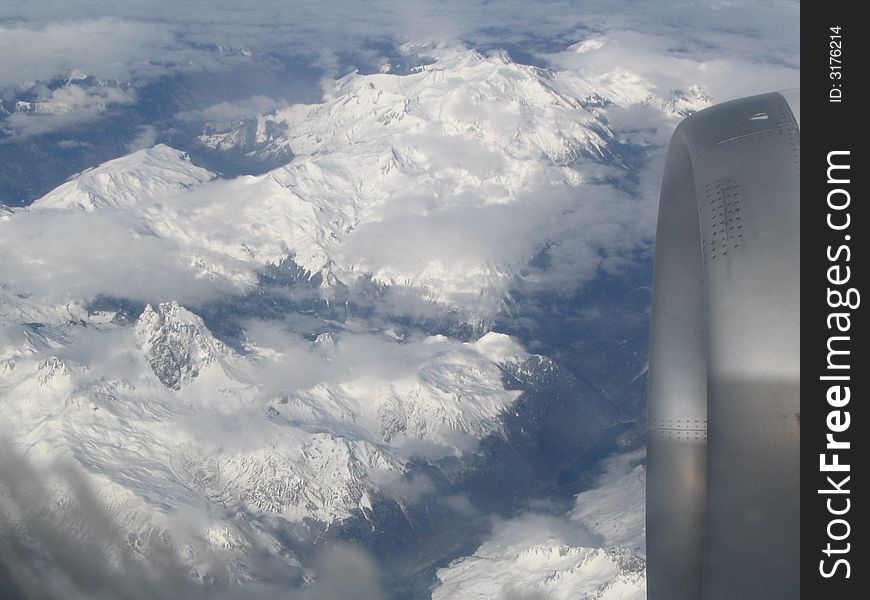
834	226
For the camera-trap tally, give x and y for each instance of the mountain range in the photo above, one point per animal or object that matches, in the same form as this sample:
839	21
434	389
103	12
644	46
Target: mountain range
252	361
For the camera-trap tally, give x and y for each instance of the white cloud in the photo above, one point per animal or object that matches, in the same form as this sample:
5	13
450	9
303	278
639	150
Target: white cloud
107	49
735	47
54	529
637	61
233	110
145	138
62	107
56	256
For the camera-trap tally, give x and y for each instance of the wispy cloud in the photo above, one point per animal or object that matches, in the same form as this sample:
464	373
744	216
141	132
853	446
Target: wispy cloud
733	45
38	249
70	105
59	542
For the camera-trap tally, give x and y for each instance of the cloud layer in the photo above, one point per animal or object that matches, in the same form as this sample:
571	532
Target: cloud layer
58	541
738	46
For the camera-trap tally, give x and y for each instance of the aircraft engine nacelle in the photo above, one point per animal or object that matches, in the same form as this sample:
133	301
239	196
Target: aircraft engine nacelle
723	460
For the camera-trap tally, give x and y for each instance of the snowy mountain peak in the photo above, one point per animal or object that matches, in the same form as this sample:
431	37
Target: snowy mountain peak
523	111
596	552
53	372
688	101
149	173
406	178
177	344
439	183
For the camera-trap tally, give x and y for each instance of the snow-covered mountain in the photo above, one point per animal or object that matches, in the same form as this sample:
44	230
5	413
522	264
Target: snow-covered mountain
596	552
152	331
472	100
177	344
443	183
168	389
149	173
